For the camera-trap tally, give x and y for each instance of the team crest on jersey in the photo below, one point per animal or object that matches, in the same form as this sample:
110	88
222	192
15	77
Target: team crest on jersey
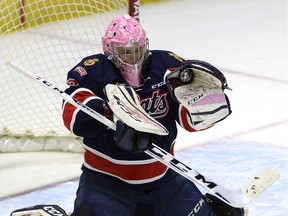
156	105
80	70
176	56
91	62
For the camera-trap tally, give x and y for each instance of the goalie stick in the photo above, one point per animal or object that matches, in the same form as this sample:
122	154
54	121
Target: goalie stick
233	198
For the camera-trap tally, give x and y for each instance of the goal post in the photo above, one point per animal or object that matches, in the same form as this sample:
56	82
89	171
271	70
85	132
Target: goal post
47	37
134	9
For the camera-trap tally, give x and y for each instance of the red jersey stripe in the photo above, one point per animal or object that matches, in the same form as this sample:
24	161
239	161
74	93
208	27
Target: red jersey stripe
131	173
83	95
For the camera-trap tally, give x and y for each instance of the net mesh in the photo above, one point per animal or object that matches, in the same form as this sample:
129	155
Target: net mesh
47	37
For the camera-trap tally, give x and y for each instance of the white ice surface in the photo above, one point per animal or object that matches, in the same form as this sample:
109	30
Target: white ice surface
248	41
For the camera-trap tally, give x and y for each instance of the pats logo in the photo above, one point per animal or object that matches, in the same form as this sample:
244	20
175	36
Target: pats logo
156	105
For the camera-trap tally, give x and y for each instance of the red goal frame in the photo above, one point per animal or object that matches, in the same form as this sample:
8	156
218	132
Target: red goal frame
133	10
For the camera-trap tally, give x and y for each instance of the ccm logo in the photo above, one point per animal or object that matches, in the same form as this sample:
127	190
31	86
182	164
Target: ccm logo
122	106
198	97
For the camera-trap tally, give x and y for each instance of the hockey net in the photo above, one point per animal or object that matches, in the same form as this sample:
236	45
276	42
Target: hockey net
47	37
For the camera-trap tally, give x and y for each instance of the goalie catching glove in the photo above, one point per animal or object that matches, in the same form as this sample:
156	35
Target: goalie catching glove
135	129
199	87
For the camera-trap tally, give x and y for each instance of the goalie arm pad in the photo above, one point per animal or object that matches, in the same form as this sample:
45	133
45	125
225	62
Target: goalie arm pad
199	87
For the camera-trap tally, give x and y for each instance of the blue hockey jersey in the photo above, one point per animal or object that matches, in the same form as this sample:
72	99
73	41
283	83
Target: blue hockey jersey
87	81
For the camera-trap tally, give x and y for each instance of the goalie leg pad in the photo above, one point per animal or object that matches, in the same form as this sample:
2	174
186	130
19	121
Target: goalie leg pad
40	210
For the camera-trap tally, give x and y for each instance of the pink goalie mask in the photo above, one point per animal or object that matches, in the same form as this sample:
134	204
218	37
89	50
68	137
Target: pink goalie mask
126	45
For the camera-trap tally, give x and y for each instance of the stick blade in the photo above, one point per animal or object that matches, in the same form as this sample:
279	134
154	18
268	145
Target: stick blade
259	183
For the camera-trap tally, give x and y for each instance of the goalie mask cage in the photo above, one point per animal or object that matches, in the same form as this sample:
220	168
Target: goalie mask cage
47	37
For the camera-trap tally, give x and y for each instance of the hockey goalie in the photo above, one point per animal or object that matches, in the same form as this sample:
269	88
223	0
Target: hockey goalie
132	120
146	93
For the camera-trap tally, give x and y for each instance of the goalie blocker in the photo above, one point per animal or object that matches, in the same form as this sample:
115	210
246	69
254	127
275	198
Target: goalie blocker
199	87
135	129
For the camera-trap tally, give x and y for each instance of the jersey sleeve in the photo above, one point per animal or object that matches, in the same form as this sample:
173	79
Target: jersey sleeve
79	122
85	85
